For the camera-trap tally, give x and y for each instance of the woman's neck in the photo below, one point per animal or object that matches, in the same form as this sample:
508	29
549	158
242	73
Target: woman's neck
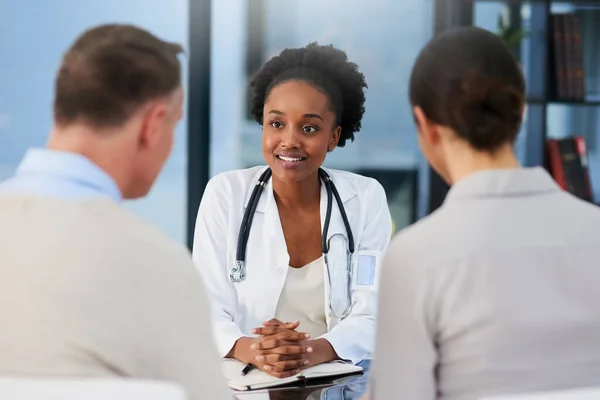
298	195
462	161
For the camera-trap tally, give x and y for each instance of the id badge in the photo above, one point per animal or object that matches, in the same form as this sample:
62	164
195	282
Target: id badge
365	270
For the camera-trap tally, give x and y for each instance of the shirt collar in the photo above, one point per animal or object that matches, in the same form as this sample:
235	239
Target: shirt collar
503	183
70	167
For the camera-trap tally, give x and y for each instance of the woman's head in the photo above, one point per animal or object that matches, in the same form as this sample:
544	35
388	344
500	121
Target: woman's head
309	101
466	86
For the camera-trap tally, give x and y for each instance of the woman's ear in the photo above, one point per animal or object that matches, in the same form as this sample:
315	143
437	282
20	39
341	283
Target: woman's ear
427	130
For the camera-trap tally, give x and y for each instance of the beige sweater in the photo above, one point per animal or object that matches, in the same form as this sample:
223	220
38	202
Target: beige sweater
88	289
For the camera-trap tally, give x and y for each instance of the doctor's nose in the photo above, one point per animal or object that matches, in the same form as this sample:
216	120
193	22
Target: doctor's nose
291	139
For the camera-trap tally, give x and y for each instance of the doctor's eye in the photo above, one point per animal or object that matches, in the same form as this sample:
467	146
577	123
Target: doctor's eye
309	129
276	124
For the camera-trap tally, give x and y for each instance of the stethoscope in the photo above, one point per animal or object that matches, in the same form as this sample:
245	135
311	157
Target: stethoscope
238	272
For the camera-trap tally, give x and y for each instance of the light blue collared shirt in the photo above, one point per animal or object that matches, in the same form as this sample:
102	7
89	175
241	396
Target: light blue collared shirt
61	174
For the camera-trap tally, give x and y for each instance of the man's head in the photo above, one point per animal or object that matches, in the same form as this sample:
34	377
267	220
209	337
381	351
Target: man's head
118	91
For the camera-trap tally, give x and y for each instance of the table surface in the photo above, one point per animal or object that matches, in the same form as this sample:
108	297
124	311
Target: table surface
347	388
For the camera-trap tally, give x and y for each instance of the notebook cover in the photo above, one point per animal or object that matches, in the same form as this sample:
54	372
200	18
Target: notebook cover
257	379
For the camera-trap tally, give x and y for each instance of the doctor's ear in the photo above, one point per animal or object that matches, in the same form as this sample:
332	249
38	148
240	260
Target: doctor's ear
335	138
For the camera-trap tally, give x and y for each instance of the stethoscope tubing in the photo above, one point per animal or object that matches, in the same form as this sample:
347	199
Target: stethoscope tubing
246	224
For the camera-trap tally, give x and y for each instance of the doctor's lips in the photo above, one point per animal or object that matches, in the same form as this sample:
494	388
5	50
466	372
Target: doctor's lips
290	159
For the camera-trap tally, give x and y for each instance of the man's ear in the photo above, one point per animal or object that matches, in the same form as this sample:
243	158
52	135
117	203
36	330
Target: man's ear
428	130
152	118
335	138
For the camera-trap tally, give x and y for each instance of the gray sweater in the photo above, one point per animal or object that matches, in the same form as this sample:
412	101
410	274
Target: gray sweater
88	289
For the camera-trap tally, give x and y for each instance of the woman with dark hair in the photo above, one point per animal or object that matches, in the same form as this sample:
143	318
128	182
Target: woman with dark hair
497	291
293	243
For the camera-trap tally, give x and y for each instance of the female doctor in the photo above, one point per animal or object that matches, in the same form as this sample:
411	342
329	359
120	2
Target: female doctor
292	243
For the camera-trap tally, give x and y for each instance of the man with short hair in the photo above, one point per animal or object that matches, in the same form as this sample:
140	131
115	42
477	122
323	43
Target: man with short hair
87	289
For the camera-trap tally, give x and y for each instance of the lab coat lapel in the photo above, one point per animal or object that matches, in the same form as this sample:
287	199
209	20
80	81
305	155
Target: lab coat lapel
272	221
268	208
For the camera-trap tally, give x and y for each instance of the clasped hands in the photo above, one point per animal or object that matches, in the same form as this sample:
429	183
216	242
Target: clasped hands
279	350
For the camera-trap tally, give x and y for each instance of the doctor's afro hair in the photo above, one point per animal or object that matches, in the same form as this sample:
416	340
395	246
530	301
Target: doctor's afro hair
325	67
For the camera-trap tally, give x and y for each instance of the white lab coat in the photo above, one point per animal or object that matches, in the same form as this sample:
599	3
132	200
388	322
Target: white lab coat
240	307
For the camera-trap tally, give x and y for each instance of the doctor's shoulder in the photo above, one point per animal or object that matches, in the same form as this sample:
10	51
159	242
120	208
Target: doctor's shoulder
232	186
366	197
366	188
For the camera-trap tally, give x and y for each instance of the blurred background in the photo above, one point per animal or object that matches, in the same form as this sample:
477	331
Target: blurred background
229	40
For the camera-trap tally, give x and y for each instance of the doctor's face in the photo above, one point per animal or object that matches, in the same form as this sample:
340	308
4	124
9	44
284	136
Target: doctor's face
298	130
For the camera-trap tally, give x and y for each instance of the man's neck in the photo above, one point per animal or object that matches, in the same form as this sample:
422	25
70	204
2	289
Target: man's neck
100	148
298	195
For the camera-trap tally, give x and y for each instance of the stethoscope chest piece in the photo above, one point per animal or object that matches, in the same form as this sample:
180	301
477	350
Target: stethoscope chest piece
238	272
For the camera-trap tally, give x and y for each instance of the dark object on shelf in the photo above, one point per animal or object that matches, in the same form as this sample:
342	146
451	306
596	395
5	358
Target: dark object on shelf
569	166
567	78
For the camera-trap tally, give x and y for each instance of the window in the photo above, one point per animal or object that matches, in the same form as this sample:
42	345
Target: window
29	64
382	37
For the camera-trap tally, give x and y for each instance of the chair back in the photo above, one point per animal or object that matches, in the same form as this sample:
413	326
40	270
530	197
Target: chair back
88	389
573	394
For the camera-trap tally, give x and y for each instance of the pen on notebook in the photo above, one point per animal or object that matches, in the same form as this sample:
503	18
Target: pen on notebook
247	369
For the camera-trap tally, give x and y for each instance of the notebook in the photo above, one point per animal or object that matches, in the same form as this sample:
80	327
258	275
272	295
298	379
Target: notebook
257	379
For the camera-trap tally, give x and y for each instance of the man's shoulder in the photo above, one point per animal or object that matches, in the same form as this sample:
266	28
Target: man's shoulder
96	230
131	229
102	223
131	248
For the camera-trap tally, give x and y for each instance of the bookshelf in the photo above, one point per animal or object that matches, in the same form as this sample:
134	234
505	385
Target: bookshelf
537	55
541	58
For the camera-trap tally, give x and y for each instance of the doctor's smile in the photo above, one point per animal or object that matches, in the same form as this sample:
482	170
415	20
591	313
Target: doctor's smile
290	160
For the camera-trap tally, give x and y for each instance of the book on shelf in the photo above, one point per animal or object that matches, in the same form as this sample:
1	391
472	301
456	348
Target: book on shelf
569	166
566	49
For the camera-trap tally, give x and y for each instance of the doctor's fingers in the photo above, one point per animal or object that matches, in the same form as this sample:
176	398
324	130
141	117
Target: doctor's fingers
281	333
277	374
273	358
281	346
283	366
286	325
